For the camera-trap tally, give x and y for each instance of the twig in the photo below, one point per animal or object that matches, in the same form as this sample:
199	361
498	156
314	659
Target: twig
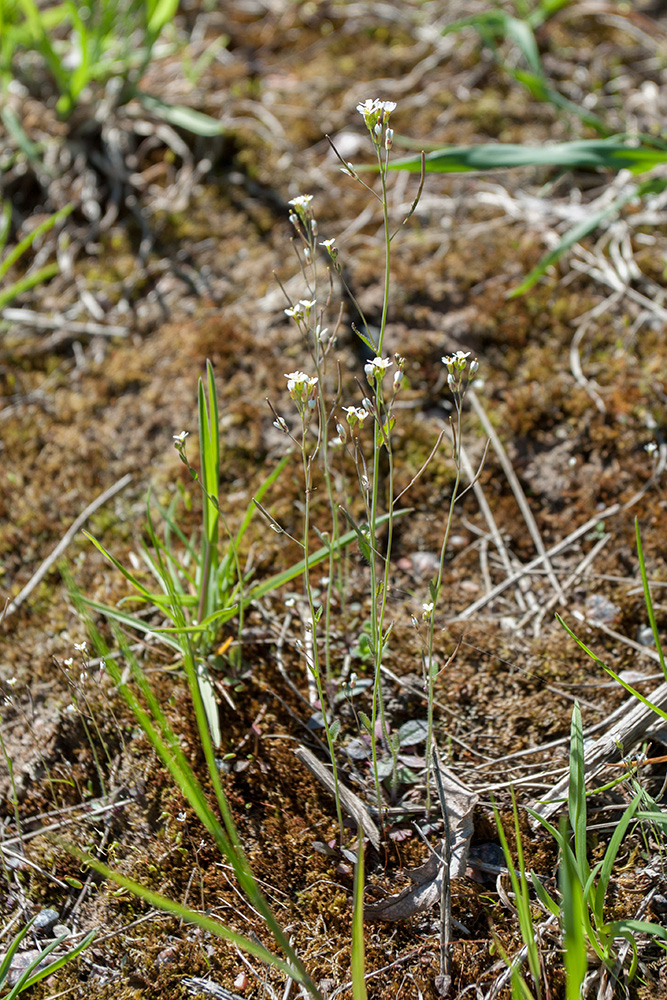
350	802
443	982
40	573
519	495
27	317
493	528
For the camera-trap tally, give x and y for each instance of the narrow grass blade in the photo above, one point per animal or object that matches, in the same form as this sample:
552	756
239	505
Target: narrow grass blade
571	238
182	117
167	905
119	566
13	948
30	281
628	687
577	794
611	853
610	154
358	965
647	599
572	908
16	252
520	889
30	977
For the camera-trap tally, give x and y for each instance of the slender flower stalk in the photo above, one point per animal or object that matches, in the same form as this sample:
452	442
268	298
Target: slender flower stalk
304	390
459	371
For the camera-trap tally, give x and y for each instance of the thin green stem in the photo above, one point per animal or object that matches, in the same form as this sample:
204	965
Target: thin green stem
313	662
435	595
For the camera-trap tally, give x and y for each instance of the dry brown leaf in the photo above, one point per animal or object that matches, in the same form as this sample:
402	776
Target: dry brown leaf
460	802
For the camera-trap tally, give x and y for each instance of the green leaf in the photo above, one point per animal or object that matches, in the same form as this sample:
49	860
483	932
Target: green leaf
362	537
366	723
613	153
182	117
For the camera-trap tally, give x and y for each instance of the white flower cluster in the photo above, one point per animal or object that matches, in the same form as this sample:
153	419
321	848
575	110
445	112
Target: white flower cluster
302	308
377	369
458	367
302	388
355	415
376	115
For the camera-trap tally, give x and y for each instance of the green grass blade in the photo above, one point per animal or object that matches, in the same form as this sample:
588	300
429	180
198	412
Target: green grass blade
27	981
182	117
358	964
167	905
547	901
609	859
287	575
571	238
115	614
119	566
577	794
647	599
545	10
572	915
628	687
520	889
28	240
610	154
5	217
25	284
13	948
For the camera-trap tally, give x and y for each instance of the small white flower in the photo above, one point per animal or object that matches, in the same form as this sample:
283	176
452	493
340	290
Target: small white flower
650	447
369	107
12	682
328	244
294	312
302	201
180	438
355	414
456	360
68	662
181	817
427	611
398	378
308	304
71	709
280	423
301	386
377	368
81	647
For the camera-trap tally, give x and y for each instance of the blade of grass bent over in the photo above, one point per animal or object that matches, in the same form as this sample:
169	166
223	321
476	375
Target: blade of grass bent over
647	599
